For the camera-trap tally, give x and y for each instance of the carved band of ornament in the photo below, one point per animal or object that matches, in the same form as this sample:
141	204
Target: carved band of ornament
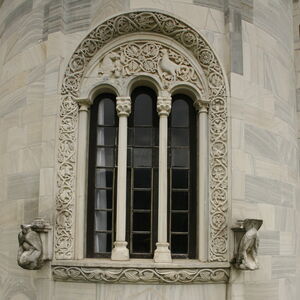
140	275
164	105
123	106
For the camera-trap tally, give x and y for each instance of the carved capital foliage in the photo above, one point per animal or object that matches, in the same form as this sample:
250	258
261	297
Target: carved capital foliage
201	106
123	106
164	105
140	275
144	57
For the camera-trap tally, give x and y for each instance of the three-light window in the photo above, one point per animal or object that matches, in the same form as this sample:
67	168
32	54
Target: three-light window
142	196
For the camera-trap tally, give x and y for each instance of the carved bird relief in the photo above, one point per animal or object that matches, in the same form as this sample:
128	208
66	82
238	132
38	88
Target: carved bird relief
167	65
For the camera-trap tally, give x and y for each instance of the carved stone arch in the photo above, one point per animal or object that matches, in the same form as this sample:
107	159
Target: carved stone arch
108	31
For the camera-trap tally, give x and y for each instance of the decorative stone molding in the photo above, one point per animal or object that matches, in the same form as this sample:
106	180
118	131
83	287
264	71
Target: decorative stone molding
34	245
164	105
123	106
246	244
178	31
140	275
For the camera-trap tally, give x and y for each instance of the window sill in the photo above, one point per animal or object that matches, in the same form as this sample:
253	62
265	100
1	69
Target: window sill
180	271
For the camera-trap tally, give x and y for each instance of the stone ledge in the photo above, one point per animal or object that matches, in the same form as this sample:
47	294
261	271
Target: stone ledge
141	272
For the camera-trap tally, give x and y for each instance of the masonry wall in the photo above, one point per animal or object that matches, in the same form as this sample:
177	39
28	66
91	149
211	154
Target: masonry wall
255	43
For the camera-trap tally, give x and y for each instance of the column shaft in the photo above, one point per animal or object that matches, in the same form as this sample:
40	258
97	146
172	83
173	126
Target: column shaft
120	251
203	182
81	196
162	252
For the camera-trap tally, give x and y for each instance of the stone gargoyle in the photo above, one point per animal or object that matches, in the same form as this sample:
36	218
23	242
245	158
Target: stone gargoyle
246	254
30	253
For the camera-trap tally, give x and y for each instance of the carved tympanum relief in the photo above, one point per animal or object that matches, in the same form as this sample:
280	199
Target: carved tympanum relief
187	37
148	57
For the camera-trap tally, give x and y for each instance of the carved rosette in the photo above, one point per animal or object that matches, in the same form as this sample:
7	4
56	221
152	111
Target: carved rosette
134	22
123	106
164	105
139	275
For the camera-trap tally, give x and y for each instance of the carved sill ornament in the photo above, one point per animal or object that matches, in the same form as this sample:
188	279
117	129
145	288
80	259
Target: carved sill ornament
32	251
247	243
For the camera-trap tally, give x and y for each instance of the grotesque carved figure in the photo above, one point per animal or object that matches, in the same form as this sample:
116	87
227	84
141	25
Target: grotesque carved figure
110	66
247	252
30	248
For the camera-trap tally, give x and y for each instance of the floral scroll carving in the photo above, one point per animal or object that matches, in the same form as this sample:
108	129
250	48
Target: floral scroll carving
171	67
139	275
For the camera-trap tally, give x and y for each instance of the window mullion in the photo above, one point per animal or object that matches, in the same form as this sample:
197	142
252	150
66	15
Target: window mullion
120	250
162	252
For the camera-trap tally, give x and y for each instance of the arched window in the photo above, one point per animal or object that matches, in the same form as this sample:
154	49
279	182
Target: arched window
102	177
182	177
142	173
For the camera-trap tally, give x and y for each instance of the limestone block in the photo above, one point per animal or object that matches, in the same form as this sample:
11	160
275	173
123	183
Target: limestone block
75	291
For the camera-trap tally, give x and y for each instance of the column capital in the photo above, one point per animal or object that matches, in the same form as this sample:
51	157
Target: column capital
201	106
123	106
164	104
84	103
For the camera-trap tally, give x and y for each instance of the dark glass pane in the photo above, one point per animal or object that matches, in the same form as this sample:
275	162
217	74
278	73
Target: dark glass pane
103	199
179	244
102	242
143	136
106	136
104	178
142	157
143	110
180	114
180	200
130	136
103	220
142	178
141	243
180	179
141	221
142	199
129	157
105	157
180	158
106	112
179	222
179	137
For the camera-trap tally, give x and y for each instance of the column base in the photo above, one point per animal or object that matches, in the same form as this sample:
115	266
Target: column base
162	253
120	251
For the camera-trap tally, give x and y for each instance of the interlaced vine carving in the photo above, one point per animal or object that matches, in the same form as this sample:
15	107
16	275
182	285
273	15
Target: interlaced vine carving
175	29
139	275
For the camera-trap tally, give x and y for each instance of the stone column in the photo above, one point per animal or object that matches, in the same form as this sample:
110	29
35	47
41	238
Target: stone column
162	252
120	250
203	174
81	198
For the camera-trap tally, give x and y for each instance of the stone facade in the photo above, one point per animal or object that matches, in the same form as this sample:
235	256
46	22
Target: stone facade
257	44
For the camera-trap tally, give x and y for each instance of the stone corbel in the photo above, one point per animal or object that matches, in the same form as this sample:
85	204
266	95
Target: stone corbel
246	243
35	244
